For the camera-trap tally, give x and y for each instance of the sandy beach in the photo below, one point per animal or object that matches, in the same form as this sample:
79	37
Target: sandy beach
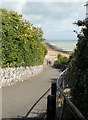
52	54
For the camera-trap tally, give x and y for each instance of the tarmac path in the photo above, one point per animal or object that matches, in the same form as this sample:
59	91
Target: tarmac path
18	99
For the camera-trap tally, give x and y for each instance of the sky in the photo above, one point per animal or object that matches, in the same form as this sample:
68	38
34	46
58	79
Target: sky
55	17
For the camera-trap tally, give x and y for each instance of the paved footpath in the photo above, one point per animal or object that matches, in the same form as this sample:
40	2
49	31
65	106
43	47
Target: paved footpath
18	99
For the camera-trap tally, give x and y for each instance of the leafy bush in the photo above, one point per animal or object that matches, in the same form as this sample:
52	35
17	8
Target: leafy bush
21	41
79	70
61	63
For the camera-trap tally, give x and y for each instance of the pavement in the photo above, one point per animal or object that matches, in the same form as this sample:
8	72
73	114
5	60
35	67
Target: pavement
19	98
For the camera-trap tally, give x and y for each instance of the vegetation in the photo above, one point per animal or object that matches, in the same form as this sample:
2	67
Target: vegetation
79	70
21	41
61	63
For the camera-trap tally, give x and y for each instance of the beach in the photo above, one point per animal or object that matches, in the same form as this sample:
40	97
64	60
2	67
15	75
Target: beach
52	54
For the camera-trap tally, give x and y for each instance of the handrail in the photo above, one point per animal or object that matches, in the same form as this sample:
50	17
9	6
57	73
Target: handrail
59	82
36	103
67	99
62	73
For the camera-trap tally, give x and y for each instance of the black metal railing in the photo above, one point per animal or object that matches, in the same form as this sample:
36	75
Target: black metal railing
64	102
39	109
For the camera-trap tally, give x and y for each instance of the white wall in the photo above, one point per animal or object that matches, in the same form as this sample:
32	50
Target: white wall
9	76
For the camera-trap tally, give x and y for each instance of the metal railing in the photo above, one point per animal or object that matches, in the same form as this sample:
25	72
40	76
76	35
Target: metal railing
61	86
39	109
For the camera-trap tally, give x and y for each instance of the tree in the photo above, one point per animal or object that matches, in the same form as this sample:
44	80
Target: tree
79	69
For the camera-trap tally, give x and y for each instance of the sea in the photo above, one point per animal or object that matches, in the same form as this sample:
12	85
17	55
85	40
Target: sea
63	45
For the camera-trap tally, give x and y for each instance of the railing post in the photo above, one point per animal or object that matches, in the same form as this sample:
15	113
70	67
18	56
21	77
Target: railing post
53	92
51	107
62	110
51	110
53	89
63	85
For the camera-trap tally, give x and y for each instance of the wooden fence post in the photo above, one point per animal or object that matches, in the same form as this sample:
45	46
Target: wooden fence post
51	107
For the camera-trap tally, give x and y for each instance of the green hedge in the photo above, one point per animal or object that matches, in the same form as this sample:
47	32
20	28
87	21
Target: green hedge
21	41
61	63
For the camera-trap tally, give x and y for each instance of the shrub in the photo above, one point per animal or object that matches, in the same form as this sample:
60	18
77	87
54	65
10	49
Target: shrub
61	63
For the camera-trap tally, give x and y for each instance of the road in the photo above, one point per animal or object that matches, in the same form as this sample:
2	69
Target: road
18	99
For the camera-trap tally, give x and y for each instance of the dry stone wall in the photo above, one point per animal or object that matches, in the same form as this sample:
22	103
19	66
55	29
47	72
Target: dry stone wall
10	76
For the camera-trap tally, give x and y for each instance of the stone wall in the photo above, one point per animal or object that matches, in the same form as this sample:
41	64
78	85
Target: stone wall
10	76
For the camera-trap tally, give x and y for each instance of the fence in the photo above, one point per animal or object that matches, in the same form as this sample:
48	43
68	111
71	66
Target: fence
45	107
66	107
39	109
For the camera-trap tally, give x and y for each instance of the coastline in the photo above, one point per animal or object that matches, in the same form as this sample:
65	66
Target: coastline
53	47
53	52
